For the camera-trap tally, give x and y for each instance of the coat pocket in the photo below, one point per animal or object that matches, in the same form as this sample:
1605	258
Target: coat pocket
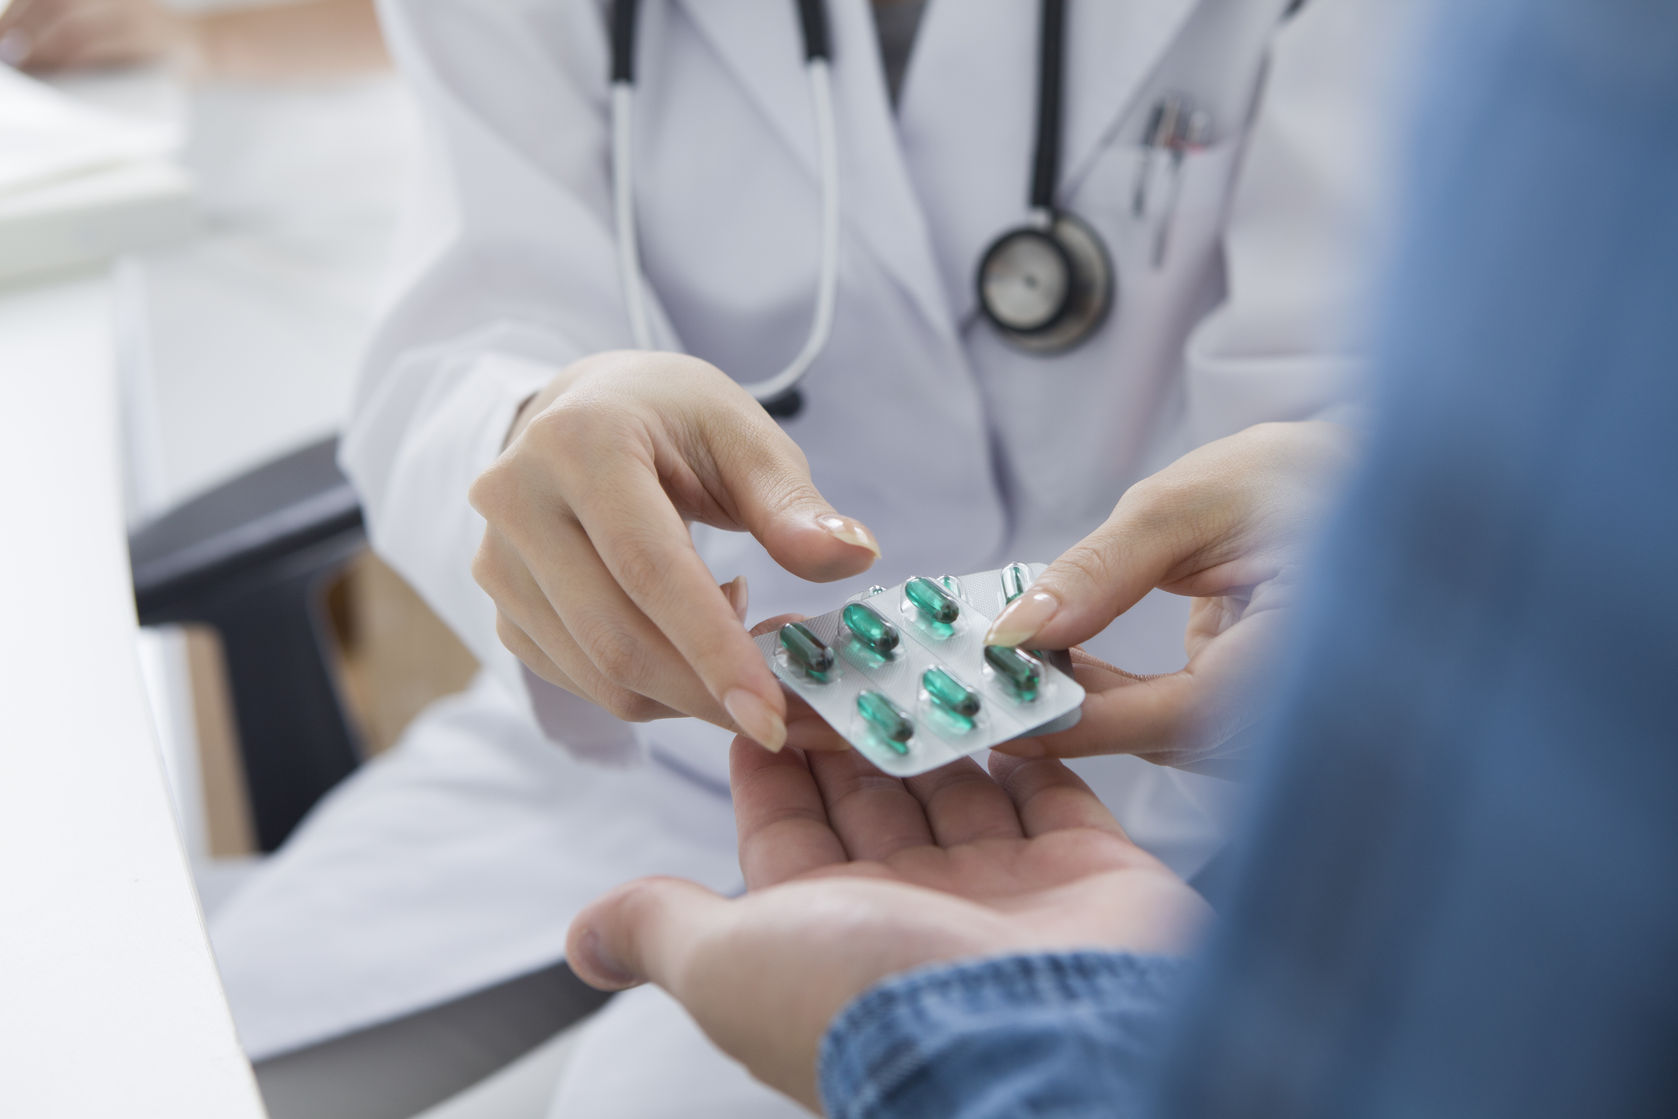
1159	212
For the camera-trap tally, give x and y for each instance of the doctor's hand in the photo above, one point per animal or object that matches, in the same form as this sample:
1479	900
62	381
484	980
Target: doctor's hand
67	34
1224	524
588	554
275	40
853	876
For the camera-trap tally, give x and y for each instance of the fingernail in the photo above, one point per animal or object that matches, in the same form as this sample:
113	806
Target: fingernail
849	531
1023	619
739	596
14	46
756	719
1023	748
597	961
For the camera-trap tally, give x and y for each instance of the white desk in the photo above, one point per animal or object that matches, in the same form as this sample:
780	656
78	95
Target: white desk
109	999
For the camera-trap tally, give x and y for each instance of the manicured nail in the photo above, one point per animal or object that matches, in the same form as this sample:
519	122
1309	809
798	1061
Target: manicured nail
756	719
598	961
739	596
849	531
1023	619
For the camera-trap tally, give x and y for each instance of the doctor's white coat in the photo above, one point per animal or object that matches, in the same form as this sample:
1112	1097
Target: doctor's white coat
457	860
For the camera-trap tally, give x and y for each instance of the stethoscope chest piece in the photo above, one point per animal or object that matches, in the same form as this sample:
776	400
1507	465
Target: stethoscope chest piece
1047	288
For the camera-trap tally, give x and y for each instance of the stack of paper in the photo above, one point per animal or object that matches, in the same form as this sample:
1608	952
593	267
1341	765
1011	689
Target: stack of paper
77	185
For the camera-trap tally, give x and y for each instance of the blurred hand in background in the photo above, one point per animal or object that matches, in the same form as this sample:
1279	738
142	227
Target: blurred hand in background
314	38
47	35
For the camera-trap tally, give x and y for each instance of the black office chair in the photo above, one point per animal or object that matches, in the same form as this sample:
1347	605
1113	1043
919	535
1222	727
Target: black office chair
253	559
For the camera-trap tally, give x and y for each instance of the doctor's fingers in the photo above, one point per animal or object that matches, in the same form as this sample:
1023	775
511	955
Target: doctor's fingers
1186	719
530	654
621	641
562	664
1123	714
32	32
645	545
767	483
1225	515
620	702
1201	526
528	619
97	32
1147	541
31	14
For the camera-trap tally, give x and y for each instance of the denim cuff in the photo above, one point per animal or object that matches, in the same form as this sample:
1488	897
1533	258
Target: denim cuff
1027	1033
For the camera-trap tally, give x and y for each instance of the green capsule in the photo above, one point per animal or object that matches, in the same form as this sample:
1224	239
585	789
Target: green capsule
950	693
947	723
932	600
805	649
1016	577
887	718
1021	670
870	628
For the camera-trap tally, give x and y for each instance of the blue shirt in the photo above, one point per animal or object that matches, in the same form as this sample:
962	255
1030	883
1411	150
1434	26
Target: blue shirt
1458	890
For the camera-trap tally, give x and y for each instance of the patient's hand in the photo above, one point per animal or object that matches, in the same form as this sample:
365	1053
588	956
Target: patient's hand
1225	525
854	876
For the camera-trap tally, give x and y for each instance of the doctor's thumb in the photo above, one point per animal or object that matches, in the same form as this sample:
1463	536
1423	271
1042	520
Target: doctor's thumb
1092	583
641	932
778	503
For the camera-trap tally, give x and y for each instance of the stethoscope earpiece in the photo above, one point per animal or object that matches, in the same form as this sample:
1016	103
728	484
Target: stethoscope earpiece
1046	288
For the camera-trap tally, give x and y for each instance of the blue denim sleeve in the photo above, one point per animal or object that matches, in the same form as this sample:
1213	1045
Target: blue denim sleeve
1065	1034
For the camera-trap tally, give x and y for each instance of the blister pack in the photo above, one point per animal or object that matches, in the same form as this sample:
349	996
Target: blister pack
904	675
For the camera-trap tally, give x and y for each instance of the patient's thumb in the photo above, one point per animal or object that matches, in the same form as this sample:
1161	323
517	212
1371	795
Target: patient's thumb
639	933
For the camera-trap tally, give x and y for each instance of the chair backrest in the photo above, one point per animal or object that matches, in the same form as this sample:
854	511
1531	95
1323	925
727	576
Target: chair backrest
252	559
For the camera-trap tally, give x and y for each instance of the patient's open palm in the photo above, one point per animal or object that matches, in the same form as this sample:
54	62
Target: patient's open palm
854	876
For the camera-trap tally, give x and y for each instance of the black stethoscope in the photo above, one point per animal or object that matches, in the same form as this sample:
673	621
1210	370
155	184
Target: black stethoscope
1046	286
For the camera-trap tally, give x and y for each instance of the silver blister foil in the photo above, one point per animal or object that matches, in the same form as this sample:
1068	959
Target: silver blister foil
938	736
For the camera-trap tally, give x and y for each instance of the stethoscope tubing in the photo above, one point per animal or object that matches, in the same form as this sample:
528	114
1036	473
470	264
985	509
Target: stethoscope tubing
817	69
1045	173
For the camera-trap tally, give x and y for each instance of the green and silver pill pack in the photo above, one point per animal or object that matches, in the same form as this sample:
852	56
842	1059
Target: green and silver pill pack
904	676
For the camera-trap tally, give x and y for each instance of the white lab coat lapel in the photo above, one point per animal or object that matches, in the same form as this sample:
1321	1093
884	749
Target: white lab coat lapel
969	107
877	197
969	104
